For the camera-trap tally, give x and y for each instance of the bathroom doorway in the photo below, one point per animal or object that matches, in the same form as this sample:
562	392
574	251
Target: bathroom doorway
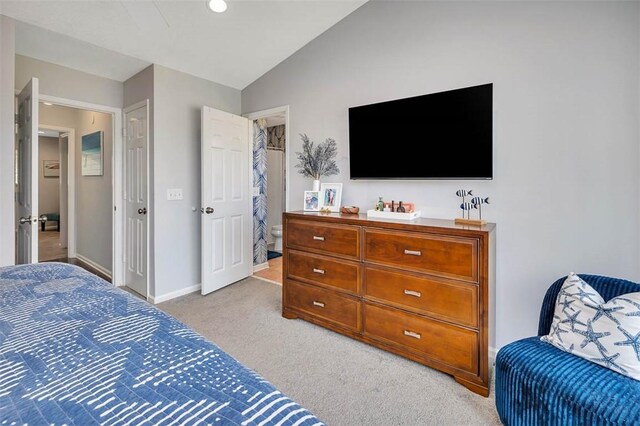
270	200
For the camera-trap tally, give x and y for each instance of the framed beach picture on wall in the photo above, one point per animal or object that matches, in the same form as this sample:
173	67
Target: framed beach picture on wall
92	154
51	168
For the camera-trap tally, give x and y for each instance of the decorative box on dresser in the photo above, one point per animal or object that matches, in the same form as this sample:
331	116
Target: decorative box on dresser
421	289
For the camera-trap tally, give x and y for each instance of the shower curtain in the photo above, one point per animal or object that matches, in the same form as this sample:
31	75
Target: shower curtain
260	201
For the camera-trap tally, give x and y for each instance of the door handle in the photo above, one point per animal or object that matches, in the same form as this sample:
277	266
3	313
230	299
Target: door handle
208	210
142	210
24	220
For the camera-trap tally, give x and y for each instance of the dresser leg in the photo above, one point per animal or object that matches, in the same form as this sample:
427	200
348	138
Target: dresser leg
473	387
288	314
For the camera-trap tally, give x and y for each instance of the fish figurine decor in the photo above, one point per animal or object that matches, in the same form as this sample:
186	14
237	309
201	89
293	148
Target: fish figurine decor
474	204
478	202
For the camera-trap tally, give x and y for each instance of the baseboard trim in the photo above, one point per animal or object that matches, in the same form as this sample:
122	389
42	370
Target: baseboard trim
182	292
267	280
260	267
94	265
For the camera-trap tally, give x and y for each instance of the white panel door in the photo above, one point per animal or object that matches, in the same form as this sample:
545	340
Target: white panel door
226	200
136	197
27	197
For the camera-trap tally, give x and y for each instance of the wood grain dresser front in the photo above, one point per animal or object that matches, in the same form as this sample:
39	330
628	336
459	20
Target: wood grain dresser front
419	289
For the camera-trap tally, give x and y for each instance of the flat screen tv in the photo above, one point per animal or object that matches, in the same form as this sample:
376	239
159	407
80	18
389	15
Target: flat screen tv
445	135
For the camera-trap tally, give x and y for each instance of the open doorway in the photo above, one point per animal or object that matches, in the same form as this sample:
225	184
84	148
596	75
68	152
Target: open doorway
270	133
51	181
76	187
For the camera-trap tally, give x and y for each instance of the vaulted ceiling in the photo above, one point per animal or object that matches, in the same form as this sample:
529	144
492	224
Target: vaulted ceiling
116	39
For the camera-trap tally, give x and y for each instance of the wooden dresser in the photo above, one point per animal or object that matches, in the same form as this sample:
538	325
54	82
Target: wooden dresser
420	289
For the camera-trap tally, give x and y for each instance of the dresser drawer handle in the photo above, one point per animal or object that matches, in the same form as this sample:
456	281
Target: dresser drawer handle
413	293
413	252
318	304
318	271
315	237
412	334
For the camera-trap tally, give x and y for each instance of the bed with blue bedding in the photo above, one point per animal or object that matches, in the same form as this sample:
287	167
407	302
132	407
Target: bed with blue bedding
76	350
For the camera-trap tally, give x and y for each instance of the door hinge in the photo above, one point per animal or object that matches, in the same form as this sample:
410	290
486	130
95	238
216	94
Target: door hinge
16	118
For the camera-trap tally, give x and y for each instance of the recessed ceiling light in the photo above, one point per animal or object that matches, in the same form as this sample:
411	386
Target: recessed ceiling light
47	103
218	6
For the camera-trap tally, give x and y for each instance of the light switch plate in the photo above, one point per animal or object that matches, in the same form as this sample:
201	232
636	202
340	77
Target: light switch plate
174	194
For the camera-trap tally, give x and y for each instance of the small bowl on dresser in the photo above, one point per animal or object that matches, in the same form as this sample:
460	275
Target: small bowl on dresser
350	210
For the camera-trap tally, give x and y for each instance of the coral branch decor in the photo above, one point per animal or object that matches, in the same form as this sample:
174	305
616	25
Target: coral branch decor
318	160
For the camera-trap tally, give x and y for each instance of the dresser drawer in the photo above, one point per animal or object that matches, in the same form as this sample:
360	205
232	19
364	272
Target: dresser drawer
446	343
437	297
323	237
323	304
447	256
322	270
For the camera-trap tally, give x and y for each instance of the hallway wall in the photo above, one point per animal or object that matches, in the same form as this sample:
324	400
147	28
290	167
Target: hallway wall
94	211
48	187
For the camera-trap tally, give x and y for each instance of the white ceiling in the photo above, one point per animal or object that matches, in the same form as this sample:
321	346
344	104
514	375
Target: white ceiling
115	39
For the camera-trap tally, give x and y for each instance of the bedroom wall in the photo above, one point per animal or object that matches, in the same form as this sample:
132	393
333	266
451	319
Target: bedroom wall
178	101
7	207
566	126
48	187
63	82
93	193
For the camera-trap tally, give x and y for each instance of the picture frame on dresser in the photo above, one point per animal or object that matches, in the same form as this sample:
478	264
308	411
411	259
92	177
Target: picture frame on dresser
311	201
331	196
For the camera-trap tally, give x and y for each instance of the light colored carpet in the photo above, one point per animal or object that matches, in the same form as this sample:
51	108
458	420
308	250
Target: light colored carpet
342	381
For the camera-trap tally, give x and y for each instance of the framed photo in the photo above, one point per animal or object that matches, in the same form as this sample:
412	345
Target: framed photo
311	201
92	154
330	196
51	168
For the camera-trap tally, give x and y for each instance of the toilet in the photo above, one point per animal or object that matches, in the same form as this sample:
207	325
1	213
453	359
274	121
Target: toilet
276	232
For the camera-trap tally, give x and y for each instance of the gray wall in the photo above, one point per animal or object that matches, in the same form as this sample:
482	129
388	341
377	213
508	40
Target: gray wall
566	126
63	82
7	208
93	193
48	187
178	101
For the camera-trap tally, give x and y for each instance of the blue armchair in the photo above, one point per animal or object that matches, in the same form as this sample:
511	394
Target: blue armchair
539	384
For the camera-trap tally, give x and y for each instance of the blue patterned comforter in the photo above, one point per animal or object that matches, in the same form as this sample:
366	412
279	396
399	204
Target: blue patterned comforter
76	350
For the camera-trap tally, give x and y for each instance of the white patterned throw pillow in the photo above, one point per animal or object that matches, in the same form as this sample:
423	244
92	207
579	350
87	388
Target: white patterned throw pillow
605	333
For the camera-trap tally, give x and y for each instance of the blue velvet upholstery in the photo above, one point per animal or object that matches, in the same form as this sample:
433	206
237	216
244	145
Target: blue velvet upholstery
539	384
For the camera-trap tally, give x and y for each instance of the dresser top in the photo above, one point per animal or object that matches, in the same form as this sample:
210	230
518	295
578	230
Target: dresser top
420	223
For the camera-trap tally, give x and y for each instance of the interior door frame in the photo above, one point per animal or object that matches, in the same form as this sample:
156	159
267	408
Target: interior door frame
127	109
117	239
71	185
252	116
